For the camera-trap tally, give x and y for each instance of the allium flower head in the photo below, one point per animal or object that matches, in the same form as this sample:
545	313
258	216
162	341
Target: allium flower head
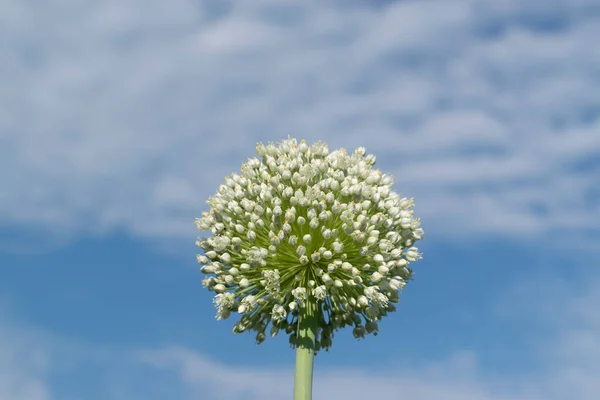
300	224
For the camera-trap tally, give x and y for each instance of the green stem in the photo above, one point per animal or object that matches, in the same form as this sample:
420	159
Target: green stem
305	351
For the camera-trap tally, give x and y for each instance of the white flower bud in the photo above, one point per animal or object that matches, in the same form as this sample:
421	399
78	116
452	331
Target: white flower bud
395	253
319	292
363	301
412	254
396	284
406	223
300	250
260	149
208	269
358	236
219	288
208	282
278	313
371	326
314	223
218	227
359	332
376	277
275	240
370	291
337	247
303	147
383	269
372	311
315	257
299	293
287	228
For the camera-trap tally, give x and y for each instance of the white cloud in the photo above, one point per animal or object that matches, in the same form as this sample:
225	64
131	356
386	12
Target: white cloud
23	364
453	379
127	114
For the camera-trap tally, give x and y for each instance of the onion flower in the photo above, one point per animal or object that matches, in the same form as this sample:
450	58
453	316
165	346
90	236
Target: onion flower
304	242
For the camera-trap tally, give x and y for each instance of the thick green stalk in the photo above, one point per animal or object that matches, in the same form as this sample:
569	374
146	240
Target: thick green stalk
305	351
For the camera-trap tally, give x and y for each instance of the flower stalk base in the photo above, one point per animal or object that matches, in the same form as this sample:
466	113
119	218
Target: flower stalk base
305	351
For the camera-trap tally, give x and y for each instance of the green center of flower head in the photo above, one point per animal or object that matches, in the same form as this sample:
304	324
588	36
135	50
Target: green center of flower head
301	224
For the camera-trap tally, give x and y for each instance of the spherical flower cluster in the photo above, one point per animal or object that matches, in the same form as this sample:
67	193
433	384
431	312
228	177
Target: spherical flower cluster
301	225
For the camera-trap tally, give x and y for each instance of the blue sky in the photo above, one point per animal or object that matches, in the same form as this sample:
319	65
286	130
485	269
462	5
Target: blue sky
119	118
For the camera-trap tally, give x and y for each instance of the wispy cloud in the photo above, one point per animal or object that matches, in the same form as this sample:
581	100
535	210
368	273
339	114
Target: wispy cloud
455	378
23	363
127	114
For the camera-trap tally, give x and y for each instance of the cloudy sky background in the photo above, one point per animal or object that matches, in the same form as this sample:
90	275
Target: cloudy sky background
118	119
